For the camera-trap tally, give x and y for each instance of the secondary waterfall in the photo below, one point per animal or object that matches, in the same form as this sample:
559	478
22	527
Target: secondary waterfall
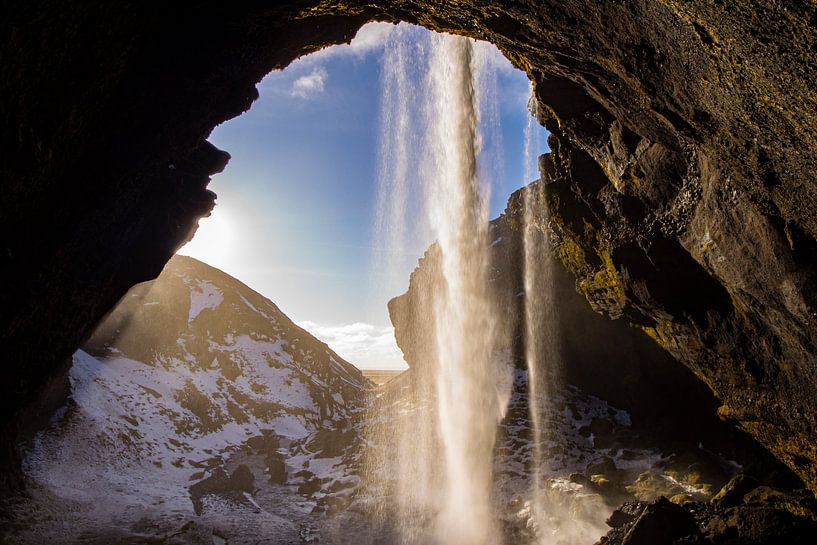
539	331
397	143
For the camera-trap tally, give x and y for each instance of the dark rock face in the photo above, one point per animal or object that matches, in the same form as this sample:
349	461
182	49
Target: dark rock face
681	181
660	522
764	516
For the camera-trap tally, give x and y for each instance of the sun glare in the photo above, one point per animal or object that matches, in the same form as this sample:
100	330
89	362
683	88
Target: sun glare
213	241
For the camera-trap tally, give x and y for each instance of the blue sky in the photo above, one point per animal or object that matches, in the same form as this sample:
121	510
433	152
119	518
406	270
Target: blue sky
294	217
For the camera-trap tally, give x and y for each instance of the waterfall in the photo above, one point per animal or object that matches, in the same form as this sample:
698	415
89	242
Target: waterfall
539	331
396	152
439	472
464	317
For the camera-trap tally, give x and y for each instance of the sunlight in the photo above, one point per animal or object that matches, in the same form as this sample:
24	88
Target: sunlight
214	240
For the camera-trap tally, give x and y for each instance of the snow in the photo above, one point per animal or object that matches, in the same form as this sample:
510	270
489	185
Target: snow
136	434
124	433
202	296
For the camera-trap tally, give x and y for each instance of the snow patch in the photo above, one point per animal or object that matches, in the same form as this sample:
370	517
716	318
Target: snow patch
203	295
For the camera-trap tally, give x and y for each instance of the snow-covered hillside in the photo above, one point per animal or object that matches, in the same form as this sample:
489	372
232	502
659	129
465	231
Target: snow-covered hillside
196	397
200	414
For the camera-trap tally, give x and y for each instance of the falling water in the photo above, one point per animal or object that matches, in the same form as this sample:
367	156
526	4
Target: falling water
539	337
465	320
395	153
531	142
442	456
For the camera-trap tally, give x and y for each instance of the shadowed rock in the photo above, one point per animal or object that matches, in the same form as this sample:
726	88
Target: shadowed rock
218	483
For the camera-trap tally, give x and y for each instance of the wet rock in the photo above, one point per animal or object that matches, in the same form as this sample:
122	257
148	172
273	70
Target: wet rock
732	492
605	466
606	479
650	486
800	503
603	432
682	499
698	469
658	523
601	481
627	513
762	516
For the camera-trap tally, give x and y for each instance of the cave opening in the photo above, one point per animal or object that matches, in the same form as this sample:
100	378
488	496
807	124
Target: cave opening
610	120
305	208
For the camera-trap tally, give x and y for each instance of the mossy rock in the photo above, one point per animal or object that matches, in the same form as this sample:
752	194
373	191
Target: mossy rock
682	499
650	486
732	492
800	503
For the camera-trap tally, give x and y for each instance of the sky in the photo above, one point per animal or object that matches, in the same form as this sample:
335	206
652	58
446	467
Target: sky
295	213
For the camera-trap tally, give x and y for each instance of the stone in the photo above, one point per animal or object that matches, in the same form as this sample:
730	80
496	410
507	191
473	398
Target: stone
650	486
682	499
232	486
764	526
242	479
800	503
627	513
660	523
329	443
307	488
603	432
276	467
732	492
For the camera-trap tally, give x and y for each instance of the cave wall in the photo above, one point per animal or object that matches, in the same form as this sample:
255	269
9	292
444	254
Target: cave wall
682	179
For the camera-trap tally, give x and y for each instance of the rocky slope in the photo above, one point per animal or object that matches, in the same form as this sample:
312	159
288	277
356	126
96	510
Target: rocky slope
197	409
683	172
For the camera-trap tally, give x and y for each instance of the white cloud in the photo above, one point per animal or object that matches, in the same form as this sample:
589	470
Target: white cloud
310	84
365	345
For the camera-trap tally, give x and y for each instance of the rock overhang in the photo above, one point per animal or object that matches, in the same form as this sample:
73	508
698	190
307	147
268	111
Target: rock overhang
683	138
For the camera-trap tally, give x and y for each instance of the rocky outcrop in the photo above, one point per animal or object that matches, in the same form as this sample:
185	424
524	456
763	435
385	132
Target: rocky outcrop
682	176
764	515
608	359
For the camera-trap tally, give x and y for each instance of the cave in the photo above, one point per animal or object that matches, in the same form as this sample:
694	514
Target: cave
680	179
